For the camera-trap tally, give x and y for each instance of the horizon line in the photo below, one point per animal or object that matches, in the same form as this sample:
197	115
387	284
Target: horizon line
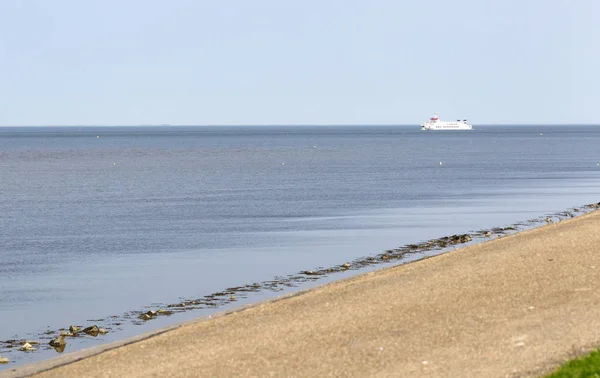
297	125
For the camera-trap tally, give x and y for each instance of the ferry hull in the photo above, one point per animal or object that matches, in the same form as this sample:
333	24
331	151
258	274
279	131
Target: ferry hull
444	128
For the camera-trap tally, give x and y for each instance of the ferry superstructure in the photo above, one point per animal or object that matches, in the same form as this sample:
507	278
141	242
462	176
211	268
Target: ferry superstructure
434	123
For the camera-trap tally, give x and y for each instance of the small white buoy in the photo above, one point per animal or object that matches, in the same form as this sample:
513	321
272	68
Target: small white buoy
114	163
282	163
441	163
97	136
540	134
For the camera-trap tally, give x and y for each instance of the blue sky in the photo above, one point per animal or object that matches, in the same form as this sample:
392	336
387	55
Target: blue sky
240	62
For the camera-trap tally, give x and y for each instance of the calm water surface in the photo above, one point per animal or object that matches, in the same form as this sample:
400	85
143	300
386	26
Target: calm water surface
98	221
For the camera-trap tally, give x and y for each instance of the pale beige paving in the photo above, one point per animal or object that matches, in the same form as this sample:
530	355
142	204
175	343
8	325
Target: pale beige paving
516	306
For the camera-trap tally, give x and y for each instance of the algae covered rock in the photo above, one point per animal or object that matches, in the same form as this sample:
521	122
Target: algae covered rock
26	347
74	329
92	331
58	342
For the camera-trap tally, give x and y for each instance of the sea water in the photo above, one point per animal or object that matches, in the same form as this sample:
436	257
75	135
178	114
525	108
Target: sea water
98	221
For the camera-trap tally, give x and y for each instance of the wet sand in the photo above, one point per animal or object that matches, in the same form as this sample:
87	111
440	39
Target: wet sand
514	306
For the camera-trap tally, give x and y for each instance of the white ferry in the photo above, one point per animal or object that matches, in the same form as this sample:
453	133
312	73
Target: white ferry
434	123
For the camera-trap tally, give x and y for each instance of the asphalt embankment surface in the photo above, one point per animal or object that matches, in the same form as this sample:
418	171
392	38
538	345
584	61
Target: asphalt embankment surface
515	306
